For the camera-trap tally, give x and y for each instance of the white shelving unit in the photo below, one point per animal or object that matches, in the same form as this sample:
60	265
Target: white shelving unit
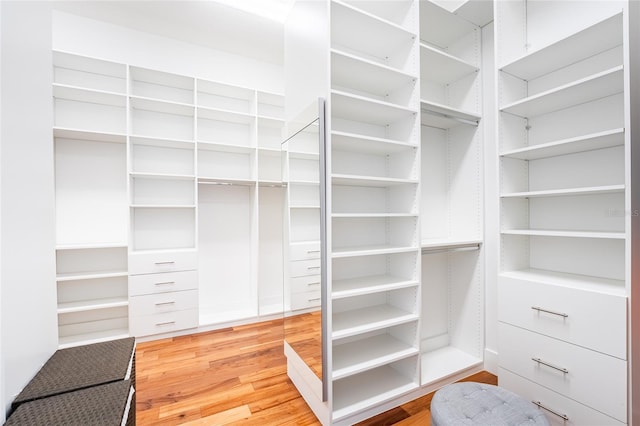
564	185
451	197
162	147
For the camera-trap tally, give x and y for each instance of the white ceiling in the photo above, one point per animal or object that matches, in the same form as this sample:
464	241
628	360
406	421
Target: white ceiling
203	22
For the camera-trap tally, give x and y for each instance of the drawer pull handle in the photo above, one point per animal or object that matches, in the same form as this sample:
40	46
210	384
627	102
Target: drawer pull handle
169	262
160	324
555	367
317	299
560	314
165	283
165	303
555	413
313	267
316	283
313	251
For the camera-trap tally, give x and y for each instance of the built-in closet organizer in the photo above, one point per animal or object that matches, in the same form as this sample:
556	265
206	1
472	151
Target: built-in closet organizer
564	190
155	173
399	323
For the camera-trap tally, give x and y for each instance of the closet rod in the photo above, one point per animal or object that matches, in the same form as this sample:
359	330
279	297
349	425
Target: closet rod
434	250
450	117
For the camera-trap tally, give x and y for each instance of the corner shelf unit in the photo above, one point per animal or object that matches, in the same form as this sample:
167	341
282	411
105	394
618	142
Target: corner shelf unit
137	152
564	185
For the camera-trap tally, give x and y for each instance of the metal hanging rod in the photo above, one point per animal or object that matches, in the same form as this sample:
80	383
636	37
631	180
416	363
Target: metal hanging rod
440	249
449	117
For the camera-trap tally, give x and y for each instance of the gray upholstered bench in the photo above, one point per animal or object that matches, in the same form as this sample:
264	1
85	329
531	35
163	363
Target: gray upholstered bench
471	403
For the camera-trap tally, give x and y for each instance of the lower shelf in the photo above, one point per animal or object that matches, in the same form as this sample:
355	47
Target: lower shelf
88	338
368	389
445	362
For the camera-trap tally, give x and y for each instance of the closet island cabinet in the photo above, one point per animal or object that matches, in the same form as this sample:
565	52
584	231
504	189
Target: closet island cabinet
168	199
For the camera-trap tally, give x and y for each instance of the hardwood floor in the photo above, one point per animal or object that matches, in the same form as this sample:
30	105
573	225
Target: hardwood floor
235	376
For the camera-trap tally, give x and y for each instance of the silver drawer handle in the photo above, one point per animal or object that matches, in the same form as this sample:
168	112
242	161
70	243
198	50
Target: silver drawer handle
310	284
169	262
560	314
313	251
159	324
555	367
562	416
165	283
317	299
165	303
313	267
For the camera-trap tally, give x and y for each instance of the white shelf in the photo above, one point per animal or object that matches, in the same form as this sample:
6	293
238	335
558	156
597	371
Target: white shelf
440	67
480	12
294	207
162	142
225	115
352	142
89	338
444	117
370	250
359	321
444	244
91	246
371	215
165	107
570	234
356	180
367	110
366	76
92	305
584	282
225	181
367	285
222	147
88	135
440	27
367	354
163	206
376	37
90	275
368	389
597	38
596	86
304	155
594	190
161	176
445	362
80	94
590	142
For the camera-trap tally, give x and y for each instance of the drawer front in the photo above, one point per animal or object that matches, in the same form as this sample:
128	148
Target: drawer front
151	263
303	251
594	320
592	378
305	284
163	302
166	322
577	414
303	268
309	299
163	282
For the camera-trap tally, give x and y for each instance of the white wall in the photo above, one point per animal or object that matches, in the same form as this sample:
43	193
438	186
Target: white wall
28	314
99	39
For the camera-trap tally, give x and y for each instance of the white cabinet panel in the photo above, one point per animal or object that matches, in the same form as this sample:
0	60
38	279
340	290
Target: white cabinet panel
163	323
162	283
301	268
306	250
163	302
162	261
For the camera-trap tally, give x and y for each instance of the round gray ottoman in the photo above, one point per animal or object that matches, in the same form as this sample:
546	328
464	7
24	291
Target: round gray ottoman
471	403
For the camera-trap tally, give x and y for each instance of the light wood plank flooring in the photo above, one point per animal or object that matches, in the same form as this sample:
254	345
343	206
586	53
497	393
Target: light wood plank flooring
235	376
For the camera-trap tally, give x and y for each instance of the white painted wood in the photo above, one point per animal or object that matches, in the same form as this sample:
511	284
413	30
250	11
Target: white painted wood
480	12
304	250
162	261
577	414
584	369
305	283
610	189
161	85
445	362
359	321
367	285
363	109
441	67
305	300
445	117
441	27
151	304
571	234
90	73
162	282
163	322
602	329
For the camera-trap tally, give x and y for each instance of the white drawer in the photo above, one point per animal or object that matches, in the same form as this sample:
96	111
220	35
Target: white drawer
163	323
595	379
169	261
302	268
309	299
302	251
577	414
163	302
304	284
163	282
593	320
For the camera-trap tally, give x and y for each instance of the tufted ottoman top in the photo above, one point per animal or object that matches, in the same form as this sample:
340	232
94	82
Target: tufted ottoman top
471	403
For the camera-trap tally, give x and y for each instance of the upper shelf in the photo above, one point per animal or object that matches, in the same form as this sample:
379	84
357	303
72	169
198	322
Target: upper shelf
445	117
441	27
366	110
590	142
597	38
79	94
480	12
344	141
596	86
440	67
